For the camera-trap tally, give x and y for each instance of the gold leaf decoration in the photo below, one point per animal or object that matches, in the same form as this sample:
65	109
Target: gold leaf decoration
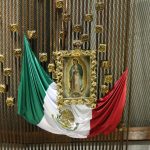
106	64
104	89
66	17
99	29
17	52
10	101
99	6
51	67
31	34
108	79
88	17
2	88
7	71
102	48
77	28
59	4
84	37
43	57
13	27
77	44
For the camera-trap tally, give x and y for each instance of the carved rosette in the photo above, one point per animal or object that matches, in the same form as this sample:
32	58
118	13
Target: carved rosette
17	52
7	71
77	44
84	38
77	28
66	17
104	89
13	27
51	68
102	48
10	101
43	57
2	88
99	6
89	101
31	34
88	17
59	4
106	64
99	29
108	79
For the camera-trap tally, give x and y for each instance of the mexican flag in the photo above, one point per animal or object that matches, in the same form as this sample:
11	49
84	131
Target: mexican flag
37	103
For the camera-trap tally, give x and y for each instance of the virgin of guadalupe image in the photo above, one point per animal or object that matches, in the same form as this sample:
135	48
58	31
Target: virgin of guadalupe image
76	76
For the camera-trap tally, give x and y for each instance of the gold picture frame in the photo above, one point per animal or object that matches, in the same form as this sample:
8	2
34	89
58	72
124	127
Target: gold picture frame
76	77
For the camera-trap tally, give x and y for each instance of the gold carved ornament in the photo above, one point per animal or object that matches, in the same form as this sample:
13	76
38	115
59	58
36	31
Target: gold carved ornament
7	71
2	88
43	57
59	4
88	17
77	44
13	27
106	64
84	38
104	89
108	79
17	52
77	28
99	29
99	6
10	101
66	17
31	34
102	48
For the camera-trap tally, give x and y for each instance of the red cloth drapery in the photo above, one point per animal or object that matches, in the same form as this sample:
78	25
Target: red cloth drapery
108	112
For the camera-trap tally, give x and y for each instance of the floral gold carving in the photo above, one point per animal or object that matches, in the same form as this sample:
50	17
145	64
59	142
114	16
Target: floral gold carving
88	17
2	88
66	17
102	48
106	64
59	4
17	52
7	71
10	101
99	6
51	67
108	79
77	28
99	29
31	34
43	57
104	89
14	27
84	37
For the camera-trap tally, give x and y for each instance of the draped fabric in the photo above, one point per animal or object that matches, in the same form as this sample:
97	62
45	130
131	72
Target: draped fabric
37	103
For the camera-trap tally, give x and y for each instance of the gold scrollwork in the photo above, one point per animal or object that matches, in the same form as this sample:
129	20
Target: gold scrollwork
17	52
108	79
13	27
7	71
99	29
2	88
104	89
43	57
106	64
77	28
31	34
59	4
102	48
84	37
10	101
88	17
2	58
100	6
66	17
51	67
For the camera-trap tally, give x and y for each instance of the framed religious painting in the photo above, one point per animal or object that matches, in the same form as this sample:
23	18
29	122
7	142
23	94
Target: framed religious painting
76	77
